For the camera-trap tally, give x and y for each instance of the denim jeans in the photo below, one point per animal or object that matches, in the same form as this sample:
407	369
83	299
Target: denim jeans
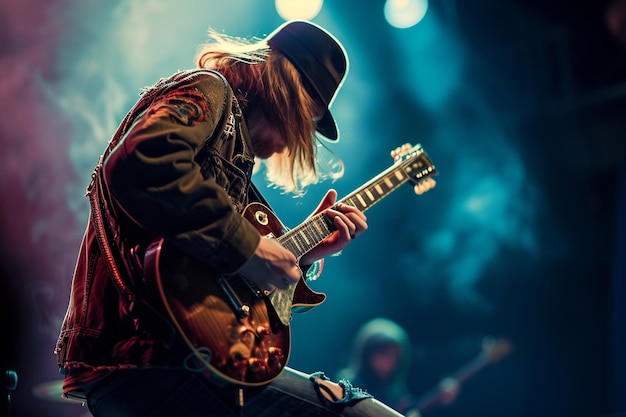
180	393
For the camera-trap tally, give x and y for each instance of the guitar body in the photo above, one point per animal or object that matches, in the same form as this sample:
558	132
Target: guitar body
230	326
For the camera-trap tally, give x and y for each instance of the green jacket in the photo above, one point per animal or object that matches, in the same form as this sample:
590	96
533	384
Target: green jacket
179	167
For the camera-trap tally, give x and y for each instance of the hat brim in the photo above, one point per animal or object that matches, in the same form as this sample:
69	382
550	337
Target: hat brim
327	127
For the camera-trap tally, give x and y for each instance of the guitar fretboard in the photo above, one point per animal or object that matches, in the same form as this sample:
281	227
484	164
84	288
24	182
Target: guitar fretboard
310	233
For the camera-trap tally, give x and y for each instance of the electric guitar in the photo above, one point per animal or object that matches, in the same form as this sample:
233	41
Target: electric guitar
237	332
493	350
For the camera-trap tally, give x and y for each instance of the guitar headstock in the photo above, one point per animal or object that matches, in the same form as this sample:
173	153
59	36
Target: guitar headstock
422	169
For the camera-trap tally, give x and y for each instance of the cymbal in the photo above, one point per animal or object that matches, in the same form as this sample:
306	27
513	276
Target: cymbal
52	390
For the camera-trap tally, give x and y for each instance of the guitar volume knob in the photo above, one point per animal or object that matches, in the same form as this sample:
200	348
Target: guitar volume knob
274	356
254	364
262	331
276	352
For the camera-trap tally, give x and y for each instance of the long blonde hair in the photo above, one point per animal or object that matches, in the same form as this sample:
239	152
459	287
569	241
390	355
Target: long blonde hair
262	77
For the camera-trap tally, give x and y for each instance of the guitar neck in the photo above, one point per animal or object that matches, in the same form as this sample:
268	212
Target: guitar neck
309	234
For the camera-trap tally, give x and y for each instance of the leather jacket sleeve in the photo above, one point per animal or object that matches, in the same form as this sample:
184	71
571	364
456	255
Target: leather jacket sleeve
154	177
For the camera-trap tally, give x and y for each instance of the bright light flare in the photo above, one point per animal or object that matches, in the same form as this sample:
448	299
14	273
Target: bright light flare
403	14
298	9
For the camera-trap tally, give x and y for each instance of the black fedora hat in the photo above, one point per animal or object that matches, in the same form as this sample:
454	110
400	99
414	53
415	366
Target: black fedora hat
321	60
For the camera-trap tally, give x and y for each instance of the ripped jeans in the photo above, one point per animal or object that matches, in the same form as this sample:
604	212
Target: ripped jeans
179	393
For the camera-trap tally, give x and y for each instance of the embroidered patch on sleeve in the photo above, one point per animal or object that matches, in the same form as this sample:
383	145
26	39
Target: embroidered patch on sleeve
187	107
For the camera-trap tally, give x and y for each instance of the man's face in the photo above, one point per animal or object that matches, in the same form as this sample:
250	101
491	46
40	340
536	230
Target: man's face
384	361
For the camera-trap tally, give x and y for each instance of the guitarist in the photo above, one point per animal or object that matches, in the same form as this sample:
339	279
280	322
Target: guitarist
179	168
379	362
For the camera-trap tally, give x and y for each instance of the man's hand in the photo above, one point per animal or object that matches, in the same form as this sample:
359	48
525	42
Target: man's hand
348	221
272	266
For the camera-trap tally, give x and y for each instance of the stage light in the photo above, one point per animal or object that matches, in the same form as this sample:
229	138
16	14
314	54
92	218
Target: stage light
403	14
298	9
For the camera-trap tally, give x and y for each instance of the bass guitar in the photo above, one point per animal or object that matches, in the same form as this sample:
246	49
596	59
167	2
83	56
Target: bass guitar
236	332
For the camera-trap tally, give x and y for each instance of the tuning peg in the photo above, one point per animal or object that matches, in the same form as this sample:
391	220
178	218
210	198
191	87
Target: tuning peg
398	152
425	185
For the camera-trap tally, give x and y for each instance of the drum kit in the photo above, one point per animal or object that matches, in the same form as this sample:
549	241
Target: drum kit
51	391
